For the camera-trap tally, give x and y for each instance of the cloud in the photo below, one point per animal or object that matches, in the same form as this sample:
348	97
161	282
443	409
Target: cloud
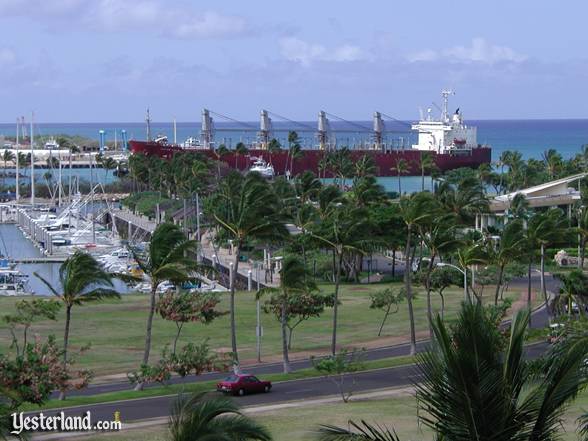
480	51
7	56
300	51
120	15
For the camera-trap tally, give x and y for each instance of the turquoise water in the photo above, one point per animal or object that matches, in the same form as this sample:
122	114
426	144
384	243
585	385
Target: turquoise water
530	137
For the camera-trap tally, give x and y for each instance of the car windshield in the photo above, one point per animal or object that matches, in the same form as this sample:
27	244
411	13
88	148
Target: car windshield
232	379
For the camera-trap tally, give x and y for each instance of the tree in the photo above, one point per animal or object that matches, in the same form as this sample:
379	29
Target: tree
7	156
185	307
573	289
340	367
81	280
240	150
543	228
510	247
201	417
108	164
477	385
245	208
442	278
345	229
294	150
439	236
464	200
27	312
386	300
167	258
426	163
401	168
582	233
415	209
553	162
293	281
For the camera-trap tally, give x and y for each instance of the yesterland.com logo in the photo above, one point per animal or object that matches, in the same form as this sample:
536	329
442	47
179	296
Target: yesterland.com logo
60	423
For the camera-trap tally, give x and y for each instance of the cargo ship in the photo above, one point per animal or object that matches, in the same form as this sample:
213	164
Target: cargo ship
447	139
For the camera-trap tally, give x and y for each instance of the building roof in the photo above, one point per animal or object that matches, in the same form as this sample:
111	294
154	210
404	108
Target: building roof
549	194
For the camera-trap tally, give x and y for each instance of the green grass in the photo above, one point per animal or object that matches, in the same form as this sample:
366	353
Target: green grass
399	412
115	328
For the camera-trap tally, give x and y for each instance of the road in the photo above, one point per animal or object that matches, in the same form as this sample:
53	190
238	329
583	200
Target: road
145	408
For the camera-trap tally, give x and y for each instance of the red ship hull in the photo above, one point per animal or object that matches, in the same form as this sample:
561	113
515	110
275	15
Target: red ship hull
385	161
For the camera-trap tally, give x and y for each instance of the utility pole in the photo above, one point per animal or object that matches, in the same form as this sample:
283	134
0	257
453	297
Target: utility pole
32	163
17	197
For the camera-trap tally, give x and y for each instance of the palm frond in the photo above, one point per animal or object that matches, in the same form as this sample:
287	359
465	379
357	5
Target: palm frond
356	432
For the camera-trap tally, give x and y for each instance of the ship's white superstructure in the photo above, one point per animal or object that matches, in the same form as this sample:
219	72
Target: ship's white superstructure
446	134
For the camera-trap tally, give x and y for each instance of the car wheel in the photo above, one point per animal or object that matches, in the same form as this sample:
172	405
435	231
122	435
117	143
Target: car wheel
241	392
267	389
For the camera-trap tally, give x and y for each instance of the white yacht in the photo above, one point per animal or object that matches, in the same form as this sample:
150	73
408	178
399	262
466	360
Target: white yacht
13	283
52	144
263	168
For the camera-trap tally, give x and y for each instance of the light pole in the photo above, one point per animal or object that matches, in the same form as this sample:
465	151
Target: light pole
258	329
465	278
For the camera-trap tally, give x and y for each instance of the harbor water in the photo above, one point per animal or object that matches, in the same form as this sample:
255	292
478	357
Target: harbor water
15	246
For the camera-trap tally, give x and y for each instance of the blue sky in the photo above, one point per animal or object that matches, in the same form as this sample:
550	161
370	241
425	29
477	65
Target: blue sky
107	60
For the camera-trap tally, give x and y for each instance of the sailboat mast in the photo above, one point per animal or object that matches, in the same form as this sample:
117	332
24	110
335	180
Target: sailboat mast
32	163
17	197
175	133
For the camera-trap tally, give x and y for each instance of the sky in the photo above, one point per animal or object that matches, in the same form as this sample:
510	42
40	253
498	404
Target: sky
108	60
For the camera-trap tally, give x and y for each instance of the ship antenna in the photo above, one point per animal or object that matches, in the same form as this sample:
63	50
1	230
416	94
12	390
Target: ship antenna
445	93
148	120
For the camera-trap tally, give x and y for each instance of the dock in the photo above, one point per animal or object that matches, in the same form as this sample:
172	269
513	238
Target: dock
44	259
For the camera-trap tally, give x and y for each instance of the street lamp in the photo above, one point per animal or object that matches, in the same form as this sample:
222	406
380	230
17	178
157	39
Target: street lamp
465	278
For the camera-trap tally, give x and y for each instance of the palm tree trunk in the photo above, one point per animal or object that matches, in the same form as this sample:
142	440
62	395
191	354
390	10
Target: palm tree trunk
399	185
429	306
394	262
336	305
498	284
179	325
147	350
422	179
65	344
543	287
287	368
233	323
408	288
529	288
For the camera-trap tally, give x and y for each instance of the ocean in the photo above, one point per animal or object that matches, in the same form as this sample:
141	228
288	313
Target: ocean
530	137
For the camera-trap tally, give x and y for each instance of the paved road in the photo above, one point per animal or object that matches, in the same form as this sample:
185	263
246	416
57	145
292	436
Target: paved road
140	409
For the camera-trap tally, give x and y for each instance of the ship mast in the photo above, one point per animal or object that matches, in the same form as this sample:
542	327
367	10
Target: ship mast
148	121
323	130
206	134
32	163
265	129
378	131
445	112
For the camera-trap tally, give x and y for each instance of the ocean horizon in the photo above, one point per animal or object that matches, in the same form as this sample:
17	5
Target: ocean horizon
529	136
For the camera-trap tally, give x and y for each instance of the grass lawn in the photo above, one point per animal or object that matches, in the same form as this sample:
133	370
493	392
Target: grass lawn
399	413
116	329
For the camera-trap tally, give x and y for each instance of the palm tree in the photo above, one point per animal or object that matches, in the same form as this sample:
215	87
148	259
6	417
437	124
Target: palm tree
344	229
553	162
476	385
542	230
293	280
415	209
201	417
573	289
167	258
439	236
82	280
464	201
246	209
510	247
364	167
582	233
426	162
240	150
219	153
108	164
294	149
7	156
401	168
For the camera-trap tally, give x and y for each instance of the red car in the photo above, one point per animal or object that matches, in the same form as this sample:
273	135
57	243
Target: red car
243	384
